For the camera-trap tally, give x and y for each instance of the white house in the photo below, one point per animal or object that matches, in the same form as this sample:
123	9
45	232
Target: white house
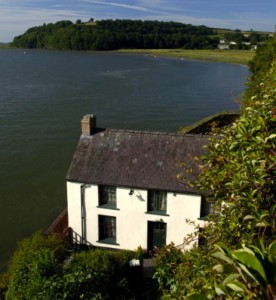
223	47
123	191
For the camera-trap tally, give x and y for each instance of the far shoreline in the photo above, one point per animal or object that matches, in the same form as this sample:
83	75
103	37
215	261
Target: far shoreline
241	57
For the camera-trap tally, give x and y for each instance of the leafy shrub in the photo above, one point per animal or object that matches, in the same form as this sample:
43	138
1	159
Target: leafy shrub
35	276
242	176
36	242
239	174
4	283
97	272
35	267
42	268
178	273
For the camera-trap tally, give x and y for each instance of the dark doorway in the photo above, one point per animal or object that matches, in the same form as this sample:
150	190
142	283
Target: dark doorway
156	235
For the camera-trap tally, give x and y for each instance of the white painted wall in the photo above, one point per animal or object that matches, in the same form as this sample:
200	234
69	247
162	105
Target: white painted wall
131	216
74	207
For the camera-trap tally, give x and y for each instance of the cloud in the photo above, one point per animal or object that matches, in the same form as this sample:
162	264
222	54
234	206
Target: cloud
113	4
16	20
16	16
140	6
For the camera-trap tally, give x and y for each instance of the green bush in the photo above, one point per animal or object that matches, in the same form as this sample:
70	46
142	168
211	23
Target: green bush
36	242
4	283
260	65
98	272
42	268
178	273
35	276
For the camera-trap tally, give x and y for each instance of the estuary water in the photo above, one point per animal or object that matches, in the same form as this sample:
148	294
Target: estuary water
43	96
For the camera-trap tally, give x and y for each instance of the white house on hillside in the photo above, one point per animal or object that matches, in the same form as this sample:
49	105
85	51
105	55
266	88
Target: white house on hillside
123	191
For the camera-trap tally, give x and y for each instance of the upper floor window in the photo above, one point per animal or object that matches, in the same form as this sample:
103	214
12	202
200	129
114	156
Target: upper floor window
157	201
206	208
107	196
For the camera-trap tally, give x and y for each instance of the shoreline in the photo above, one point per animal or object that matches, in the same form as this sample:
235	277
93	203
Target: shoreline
241	57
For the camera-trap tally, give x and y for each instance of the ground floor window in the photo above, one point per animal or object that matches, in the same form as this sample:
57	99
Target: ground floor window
107	229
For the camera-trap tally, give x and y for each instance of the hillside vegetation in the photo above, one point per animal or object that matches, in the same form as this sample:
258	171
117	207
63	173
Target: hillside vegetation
133	34
117	34
151	37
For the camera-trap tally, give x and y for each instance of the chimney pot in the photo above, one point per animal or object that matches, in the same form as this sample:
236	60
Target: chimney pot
88	124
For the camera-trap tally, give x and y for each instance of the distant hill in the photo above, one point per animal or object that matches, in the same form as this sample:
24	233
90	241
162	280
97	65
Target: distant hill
117	34
133	34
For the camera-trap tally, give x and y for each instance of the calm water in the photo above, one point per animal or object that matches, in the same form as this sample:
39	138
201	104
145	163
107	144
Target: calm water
44	94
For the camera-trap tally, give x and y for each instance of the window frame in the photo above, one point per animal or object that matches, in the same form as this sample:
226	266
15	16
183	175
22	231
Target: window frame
107	229
157	202
107	196
206	208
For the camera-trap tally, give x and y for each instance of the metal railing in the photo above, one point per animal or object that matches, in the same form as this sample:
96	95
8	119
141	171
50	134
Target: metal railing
60	227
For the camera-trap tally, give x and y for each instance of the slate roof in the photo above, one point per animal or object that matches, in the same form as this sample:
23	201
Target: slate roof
135	159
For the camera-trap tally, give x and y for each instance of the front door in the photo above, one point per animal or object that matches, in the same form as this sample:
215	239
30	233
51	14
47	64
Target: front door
156	235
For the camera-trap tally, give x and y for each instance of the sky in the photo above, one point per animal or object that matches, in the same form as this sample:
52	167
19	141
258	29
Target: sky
16	16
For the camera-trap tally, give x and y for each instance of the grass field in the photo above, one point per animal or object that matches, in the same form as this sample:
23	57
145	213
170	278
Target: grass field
226	56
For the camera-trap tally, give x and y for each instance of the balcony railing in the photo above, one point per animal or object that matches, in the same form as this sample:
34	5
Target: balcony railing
60	227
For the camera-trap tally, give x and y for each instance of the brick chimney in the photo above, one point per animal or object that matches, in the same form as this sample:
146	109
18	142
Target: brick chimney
88	124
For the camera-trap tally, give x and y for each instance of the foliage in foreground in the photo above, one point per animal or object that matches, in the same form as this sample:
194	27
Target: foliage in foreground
260	65
239	173
42	268
248	272
178	274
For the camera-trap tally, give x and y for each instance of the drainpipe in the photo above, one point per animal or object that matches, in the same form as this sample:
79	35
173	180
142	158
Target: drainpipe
83	215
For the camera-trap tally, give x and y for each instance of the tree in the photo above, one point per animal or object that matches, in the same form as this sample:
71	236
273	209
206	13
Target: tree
239	174
260	65
114	34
